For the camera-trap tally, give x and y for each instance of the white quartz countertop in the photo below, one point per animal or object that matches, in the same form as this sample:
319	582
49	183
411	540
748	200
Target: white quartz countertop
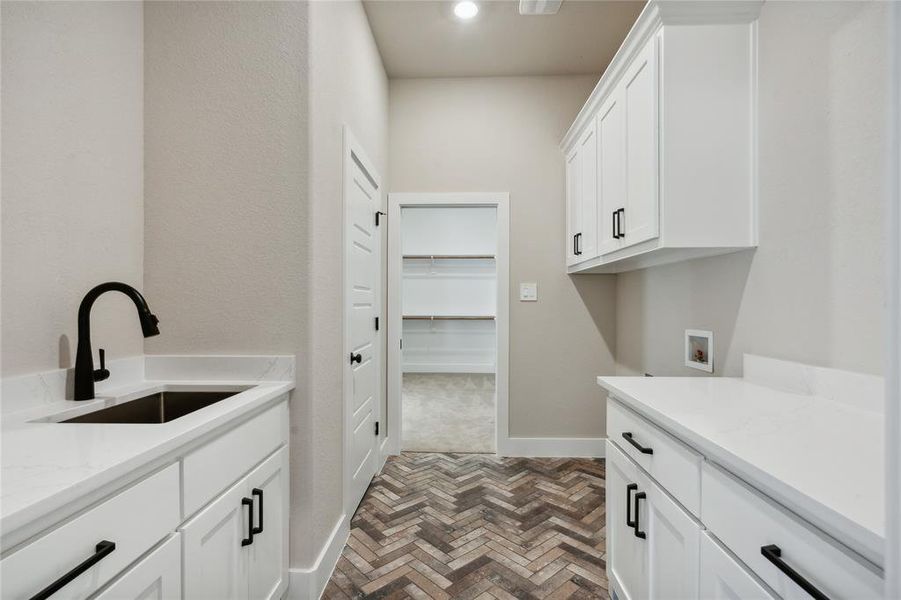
823	458
45	465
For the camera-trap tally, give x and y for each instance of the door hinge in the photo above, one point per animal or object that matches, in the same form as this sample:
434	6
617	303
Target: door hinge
376	323
376	427
378	214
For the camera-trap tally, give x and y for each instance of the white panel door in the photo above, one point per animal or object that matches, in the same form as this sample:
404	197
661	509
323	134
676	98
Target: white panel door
268	554
639	220
214	552
155	577
611	171
724	578
626	553
362	289
587	246
573	206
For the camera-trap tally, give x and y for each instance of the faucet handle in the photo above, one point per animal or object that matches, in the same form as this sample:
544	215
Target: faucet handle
101	373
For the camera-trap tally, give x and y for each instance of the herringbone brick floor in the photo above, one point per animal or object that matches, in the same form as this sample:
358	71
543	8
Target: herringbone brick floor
473	526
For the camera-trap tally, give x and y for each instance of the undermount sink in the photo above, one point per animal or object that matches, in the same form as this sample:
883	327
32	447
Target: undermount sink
160	407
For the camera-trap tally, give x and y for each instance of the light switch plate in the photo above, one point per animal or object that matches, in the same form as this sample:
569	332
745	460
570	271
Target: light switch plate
528	292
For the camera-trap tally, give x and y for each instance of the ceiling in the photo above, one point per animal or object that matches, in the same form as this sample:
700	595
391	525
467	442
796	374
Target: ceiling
422	38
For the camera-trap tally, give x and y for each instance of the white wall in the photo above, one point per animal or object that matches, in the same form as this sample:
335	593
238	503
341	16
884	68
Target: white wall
502	135
72	176
813	290
227	211
348	87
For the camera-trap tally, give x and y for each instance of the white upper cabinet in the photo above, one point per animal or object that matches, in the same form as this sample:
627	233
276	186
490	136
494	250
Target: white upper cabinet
582	198
573	207
661	162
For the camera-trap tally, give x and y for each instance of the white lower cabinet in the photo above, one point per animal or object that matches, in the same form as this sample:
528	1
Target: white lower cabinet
724	578
156	577
653	543
741	544
236	547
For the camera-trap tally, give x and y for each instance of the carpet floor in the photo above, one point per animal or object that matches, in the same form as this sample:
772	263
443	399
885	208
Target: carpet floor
476	527
449	412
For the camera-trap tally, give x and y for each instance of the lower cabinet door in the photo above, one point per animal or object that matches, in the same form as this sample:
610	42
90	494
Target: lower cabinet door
626	553
156	577
673	544
653	544
268	554
724	578
215	556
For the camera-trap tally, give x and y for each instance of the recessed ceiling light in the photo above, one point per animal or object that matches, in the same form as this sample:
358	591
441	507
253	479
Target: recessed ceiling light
466	9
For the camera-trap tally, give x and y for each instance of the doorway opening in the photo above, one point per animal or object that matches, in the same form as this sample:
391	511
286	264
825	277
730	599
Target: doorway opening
447	300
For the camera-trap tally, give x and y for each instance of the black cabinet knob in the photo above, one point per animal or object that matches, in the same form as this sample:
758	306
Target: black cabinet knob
356	358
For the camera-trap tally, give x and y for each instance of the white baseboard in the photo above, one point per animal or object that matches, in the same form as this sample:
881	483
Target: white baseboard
308	584
553	447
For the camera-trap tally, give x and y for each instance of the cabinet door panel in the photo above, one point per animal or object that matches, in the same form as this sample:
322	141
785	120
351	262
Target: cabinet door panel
673	540
156	577
611	169
723	578
640	103
573	205
626	554
215	562
268	555
588	175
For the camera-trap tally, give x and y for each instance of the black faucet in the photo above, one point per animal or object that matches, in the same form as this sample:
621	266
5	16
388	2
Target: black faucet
85	375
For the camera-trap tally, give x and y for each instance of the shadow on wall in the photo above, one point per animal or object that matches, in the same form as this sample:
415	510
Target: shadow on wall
594	292
655	306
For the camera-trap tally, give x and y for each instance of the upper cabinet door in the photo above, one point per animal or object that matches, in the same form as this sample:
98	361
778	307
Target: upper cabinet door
573	206
639	217
611	171
588	173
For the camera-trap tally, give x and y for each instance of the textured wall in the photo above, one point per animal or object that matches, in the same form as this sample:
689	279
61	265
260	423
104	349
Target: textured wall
72	210
226	149
503	134
348	87
813	290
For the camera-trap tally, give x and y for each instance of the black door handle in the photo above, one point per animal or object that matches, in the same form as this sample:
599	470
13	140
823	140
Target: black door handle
613	222
773	553
356	358
259	493
637	527
630	522
622	222
578	243
644	450
101	550
575	246
249	539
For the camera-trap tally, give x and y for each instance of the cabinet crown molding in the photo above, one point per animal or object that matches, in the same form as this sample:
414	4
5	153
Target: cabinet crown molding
656	14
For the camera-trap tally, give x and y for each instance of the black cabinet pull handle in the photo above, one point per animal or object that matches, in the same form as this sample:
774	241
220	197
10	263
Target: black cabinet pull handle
577	244
249	539
622	222
101	550
627	435
356	358
259	528
637	527
630	522
613	222
773	553
575	247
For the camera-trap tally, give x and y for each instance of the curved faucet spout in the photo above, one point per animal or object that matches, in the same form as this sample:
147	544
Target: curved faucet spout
84	361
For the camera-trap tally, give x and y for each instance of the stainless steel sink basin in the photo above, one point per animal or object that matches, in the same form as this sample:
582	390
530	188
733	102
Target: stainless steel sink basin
161	407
